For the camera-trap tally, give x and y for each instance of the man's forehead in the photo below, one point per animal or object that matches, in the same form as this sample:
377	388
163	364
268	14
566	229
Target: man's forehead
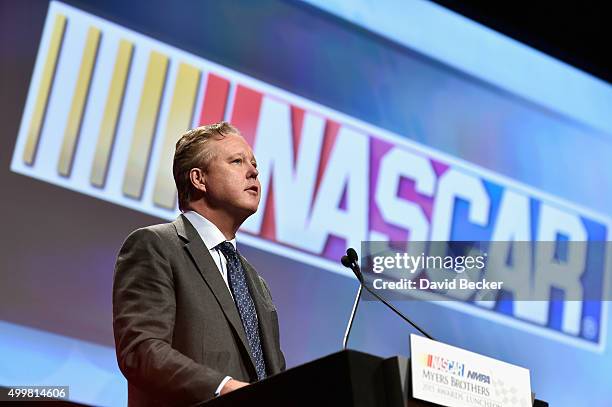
234	143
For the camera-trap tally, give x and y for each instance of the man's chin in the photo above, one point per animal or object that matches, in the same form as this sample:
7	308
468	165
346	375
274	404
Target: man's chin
250	211
246	210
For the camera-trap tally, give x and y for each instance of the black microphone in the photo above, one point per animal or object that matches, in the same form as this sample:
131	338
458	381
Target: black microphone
351	261
348	263
352	254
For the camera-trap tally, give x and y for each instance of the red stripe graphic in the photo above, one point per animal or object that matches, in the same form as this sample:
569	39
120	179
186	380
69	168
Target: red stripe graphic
297	120
245	112
268	224
215	99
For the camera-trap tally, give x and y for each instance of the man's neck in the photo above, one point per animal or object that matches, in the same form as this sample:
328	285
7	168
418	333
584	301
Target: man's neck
222	220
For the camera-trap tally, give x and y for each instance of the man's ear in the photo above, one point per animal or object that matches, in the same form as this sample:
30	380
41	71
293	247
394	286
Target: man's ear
198	179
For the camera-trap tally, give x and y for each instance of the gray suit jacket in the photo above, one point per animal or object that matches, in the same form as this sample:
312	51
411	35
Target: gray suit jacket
177	329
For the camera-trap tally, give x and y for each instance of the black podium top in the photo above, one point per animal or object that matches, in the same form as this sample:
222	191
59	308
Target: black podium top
346	378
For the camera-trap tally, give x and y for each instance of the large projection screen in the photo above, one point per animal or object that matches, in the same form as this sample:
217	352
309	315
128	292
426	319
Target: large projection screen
370	121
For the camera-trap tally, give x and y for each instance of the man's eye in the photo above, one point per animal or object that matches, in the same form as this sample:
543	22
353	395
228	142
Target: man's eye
237	160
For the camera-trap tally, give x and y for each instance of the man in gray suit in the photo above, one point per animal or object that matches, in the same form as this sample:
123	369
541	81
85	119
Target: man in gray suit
192	318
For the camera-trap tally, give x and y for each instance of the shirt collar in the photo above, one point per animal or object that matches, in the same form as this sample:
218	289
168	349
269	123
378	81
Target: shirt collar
210	234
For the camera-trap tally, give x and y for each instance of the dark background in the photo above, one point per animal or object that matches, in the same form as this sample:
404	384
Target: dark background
578	33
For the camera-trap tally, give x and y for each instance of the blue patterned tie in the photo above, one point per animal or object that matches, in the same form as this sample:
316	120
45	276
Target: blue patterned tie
244	302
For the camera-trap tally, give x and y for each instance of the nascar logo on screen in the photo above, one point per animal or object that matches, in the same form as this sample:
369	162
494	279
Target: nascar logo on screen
106	106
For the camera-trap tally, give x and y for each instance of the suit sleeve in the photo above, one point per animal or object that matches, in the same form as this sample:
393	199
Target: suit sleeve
143	323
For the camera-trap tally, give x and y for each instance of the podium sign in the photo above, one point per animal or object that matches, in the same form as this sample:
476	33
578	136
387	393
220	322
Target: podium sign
455	377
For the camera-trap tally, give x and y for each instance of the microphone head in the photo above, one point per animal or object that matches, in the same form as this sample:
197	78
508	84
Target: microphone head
346	262
350	261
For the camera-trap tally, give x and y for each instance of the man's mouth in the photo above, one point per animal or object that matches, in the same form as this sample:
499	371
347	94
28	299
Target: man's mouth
253	188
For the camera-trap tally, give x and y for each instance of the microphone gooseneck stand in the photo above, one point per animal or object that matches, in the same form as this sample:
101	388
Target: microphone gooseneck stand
350	260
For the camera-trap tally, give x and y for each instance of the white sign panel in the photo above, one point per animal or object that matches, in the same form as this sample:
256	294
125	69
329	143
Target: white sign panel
455	377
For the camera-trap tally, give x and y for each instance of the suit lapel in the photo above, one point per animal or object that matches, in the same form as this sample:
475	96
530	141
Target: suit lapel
212	277
263	314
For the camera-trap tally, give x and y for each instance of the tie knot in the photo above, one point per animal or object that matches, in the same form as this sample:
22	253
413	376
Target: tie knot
227	249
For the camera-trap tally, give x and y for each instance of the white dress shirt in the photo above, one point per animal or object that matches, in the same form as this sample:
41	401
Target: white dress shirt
212	236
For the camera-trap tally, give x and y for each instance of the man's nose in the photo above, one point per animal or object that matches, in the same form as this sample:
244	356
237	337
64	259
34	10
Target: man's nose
253	172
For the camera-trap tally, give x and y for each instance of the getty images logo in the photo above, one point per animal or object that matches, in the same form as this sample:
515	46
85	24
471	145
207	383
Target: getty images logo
107	104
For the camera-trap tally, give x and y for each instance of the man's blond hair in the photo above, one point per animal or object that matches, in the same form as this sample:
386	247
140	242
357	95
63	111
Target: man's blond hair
194	150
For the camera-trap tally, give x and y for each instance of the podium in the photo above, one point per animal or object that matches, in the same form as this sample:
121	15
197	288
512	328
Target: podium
346	378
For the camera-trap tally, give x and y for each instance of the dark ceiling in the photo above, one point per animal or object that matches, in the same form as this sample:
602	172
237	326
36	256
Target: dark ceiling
579	33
